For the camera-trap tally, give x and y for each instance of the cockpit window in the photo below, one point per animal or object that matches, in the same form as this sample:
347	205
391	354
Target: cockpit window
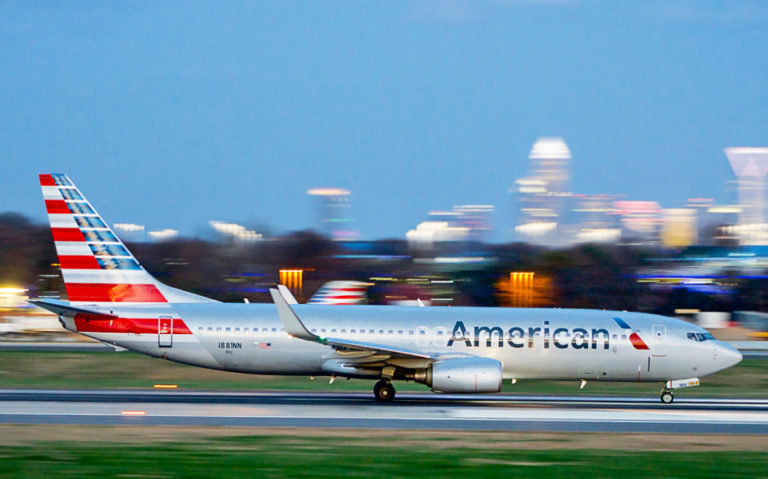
700	337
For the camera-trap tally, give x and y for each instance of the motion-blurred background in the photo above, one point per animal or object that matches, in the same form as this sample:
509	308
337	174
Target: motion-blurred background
565	153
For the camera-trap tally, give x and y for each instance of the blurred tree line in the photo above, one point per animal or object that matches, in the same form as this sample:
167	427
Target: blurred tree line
583	276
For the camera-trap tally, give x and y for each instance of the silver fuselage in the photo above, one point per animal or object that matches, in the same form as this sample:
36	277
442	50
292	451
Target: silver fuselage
556	344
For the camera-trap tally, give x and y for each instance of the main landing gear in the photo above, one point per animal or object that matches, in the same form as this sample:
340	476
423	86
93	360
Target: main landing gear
667	397
384	391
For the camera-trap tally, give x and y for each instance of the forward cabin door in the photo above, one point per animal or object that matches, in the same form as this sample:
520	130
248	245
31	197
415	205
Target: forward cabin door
659	341
165	331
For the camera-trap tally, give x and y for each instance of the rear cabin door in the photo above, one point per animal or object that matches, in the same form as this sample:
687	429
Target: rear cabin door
165	331
659	341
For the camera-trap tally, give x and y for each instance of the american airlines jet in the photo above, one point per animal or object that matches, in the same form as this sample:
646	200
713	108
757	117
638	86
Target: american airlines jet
450	350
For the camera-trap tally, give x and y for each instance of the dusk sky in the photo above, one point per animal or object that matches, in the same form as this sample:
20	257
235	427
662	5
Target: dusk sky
170	114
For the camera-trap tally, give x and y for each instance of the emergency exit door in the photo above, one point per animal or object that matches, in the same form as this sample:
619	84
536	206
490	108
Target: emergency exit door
165	331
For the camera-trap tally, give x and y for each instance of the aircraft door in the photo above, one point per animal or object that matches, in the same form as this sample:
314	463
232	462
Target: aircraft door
659	341
165	331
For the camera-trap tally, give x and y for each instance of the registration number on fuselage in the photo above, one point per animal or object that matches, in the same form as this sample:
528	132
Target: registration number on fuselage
229	346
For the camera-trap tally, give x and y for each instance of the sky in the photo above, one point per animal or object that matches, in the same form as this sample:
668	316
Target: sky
170	114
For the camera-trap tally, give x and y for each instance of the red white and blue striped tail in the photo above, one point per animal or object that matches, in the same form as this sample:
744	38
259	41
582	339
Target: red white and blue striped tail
341	292
96	266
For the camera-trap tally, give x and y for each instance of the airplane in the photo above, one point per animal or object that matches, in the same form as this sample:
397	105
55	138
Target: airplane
470	350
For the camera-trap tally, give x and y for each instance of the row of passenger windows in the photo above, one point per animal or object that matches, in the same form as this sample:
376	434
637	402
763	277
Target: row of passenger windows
391	332
322	331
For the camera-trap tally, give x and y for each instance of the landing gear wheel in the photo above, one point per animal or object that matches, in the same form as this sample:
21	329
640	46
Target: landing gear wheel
667	397
384	391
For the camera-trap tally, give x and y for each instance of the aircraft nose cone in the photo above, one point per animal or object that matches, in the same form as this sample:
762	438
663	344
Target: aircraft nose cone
728	356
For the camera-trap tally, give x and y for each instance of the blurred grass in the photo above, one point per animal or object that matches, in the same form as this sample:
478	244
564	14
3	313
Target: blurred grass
367	456
128	370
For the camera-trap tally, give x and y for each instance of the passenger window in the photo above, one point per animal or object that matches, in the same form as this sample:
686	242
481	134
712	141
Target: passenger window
237	330
210	328
381	331
400	332
410	332
343	331
314	330
390	332
333	330
439	333
371	331
353	331
218	328
322	330
274	330
228	329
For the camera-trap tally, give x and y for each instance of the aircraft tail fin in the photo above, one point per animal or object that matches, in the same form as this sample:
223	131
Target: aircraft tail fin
96	266
341	292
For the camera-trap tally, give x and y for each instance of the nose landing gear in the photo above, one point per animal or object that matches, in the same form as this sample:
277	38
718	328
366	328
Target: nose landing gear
667	397
384	391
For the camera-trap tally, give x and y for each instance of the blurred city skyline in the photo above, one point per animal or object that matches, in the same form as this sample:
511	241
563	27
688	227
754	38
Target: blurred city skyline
176	114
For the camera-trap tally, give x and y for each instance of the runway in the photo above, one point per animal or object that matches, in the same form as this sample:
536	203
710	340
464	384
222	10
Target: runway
408	411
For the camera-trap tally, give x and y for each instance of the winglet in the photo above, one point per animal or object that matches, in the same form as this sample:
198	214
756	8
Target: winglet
286	293
293	325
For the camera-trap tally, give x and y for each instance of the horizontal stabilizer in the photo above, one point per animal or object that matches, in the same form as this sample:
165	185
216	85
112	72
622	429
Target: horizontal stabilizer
64	308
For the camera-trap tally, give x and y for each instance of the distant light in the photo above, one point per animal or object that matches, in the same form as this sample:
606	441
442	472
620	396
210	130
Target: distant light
724	209
550	148
133	413
687	311
164	234
235	230
128	227
328	192
536	229
8	291
166	386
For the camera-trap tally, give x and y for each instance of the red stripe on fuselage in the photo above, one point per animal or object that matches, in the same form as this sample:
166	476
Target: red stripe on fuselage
47	180
78	262
67	234
57	207
114	293
86	323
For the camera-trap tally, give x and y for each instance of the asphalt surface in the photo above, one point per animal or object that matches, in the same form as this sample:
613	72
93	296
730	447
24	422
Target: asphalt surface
409	410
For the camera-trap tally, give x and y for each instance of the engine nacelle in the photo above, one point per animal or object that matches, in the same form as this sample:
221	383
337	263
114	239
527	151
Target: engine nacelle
463	375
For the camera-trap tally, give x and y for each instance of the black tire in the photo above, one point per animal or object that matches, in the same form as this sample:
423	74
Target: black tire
384	391
667	397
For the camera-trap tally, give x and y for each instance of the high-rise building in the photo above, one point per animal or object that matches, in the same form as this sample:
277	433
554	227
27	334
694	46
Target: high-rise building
750	165
333	213
543	195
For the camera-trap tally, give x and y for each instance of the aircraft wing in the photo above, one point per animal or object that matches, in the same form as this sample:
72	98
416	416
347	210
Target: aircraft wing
66	309
282	297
